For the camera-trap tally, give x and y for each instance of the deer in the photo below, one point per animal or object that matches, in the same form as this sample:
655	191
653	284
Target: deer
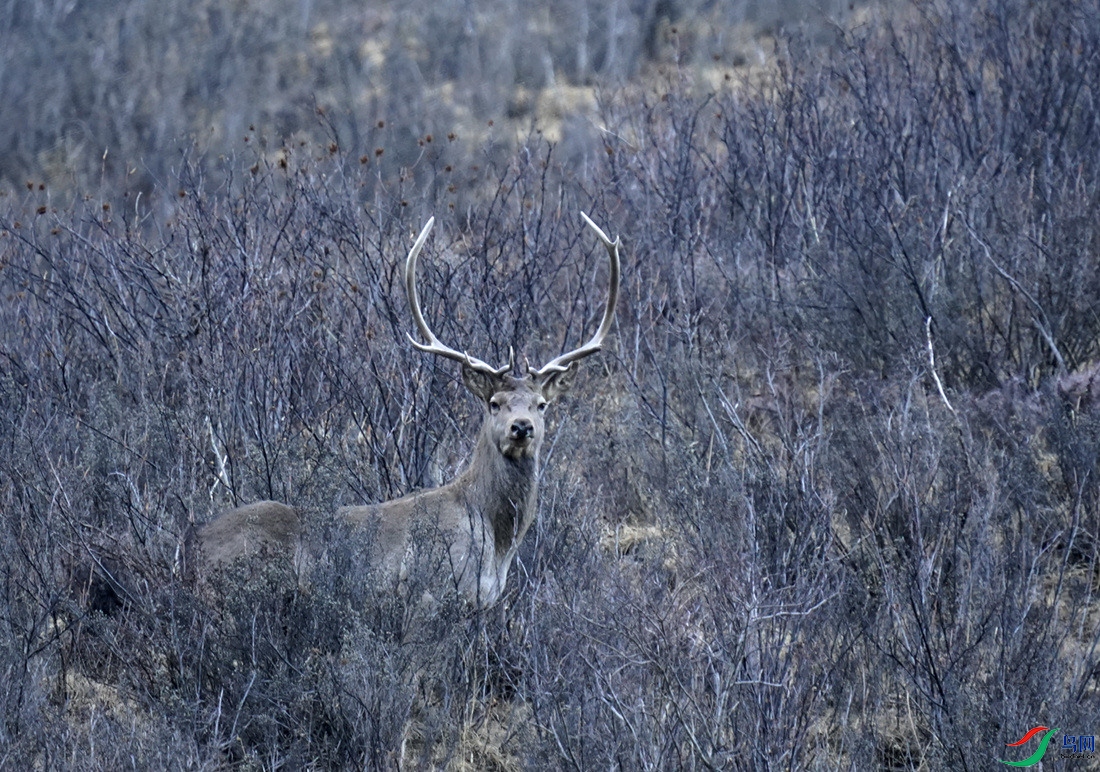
478	520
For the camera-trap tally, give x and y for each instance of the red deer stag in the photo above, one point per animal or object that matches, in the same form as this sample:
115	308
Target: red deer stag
479	518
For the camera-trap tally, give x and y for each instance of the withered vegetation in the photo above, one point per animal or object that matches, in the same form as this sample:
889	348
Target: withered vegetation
828	497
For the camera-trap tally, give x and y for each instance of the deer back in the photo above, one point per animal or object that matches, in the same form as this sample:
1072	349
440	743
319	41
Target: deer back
468	531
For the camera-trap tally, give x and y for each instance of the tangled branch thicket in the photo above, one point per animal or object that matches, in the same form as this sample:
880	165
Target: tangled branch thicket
766	537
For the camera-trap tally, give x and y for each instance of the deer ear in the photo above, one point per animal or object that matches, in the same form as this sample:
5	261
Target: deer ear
554	384
481	385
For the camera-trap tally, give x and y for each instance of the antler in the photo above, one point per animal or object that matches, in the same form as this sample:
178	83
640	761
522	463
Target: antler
565	361
434	346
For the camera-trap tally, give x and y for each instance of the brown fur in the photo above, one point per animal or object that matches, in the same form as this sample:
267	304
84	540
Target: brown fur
472	526
249	530
480	517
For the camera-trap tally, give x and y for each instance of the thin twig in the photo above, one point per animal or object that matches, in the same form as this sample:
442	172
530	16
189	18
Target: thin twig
932	364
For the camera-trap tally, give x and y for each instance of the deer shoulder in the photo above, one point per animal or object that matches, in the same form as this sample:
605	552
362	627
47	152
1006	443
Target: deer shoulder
465	533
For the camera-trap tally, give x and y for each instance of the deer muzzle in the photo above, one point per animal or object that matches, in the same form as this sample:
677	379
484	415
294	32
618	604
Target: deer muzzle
522	430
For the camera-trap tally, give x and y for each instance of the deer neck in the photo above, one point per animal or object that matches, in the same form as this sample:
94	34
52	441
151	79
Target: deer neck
502	490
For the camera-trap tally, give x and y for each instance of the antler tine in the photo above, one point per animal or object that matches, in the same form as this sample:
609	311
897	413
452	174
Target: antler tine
565	361
434	345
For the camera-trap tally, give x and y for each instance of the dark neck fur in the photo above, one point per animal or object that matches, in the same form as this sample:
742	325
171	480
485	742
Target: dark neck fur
504	490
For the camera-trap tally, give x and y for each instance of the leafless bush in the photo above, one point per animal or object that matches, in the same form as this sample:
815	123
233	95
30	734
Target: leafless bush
767	538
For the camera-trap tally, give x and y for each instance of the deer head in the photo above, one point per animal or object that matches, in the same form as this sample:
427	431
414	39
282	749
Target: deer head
514	406
479	518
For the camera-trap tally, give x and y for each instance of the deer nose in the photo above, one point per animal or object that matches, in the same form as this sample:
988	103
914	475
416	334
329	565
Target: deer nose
522	429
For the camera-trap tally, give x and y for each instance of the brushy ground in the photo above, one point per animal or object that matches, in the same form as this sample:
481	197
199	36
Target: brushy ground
828	500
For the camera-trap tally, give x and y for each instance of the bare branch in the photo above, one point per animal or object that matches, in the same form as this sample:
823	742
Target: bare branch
1038	315
932	364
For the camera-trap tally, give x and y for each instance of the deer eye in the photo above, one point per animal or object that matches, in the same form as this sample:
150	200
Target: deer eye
494	406
542	406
